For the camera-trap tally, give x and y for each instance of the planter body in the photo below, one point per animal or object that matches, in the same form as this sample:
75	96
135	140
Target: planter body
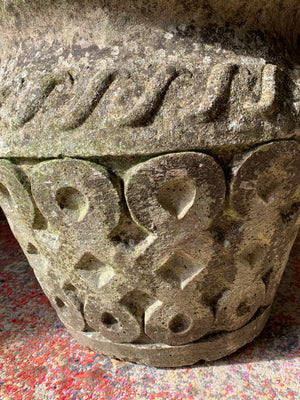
150	171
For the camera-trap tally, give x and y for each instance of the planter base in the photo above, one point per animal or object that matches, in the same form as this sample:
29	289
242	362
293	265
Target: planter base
209	349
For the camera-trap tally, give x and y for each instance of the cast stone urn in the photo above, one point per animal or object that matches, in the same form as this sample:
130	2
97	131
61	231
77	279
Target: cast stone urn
150	166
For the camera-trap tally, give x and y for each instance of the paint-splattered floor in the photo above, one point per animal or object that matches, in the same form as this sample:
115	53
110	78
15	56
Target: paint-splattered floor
40	360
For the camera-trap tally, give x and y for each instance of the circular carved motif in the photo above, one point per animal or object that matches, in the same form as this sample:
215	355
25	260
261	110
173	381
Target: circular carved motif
74	192
178	320
113	321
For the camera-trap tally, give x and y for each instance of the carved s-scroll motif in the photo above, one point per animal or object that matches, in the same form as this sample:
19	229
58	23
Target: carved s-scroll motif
82	107
32	98
174	191
267	176
267	104
87	97
122	98
265	192
180	281
22	214
176	197
238	305
217	91
76	194
16	203
64	298
86	94
82	206
148	104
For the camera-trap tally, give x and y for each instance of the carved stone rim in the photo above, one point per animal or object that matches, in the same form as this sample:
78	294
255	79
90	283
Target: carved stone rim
36	124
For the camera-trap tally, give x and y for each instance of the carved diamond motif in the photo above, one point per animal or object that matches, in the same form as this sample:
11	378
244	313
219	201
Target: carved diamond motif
94	271
180	269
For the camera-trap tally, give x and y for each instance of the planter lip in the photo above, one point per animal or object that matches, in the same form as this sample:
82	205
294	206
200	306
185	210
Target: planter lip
146	91
204	106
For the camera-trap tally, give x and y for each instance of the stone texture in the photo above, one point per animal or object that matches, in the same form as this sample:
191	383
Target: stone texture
178	82
150	171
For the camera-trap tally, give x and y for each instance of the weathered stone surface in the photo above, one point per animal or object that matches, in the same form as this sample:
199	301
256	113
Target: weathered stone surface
166	260
150	169
110	86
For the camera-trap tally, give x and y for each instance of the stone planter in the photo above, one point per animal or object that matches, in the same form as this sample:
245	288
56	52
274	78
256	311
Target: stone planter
150	168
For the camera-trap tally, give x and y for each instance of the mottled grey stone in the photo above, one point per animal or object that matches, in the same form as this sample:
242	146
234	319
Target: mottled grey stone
150	164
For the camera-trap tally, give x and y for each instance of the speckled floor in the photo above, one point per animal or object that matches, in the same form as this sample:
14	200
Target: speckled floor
40	360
